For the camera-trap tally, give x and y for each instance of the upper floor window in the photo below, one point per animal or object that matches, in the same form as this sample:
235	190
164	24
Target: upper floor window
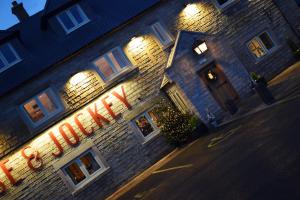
224	3
298	2
41	107
72	18
261	45
8	56
162	34
112	63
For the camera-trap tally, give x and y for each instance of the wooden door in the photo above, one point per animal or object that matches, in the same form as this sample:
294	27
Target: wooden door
219	85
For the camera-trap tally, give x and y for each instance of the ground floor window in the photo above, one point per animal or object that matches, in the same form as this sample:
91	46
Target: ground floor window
147	124
83	169
261	45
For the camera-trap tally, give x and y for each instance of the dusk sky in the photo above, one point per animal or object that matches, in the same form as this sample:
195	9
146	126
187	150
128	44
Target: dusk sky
7	19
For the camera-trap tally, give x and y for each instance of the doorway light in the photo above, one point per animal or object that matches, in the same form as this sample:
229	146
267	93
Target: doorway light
201	48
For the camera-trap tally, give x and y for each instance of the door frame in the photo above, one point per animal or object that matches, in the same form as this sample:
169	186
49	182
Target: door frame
219	69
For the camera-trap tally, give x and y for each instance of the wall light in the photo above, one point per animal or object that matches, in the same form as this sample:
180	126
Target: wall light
191	9
211	76
200	48
77	78
136	41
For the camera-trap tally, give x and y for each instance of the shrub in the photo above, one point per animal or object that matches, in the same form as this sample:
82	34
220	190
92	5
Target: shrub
255	76
175	126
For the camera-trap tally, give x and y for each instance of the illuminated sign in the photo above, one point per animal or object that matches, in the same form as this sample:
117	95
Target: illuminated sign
68	131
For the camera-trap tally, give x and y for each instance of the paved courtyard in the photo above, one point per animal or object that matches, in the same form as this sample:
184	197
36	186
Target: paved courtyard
256	157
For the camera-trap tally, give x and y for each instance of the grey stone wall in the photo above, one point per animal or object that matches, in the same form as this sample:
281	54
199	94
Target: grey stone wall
291	11
125	155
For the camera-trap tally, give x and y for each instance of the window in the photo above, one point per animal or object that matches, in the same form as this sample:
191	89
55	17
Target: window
83	169
178	100
72	18
224	3
147	124
261	45
81	166
162	34
41	107
112	63
8	56
298	2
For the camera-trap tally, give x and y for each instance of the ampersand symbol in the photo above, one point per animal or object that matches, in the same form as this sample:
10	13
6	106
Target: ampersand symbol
34	161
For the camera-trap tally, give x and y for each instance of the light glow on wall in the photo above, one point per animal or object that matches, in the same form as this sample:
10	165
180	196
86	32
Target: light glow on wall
191	10
193	17
136	42
78	78
136	47
25	162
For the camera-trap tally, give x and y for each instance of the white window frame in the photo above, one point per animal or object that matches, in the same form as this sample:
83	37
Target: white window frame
163	31
72	18
225	5
153	134
5	62
268	51
75	155
114	68
47	116
178	100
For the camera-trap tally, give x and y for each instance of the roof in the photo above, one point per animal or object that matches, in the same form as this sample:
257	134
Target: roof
184	40
44	47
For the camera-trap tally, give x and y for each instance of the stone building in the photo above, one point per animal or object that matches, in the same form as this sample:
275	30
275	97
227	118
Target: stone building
79	81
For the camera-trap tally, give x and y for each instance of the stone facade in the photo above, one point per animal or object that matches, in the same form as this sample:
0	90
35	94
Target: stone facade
185	65
117	142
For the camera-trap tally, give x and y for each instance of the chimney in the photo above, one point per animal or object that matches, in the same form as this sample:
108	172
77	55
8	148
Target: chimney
18	10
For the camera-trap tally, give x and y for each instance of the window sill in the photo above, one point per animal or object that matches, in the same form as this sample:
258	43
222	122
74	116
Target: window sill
9	66
151	138
37	127
77	27
168	46
125	74
223	8
97	176
268	55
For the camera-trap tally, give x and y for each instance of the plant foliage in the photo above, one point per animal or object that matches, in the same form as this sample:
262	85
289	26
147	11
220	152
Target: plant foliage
175	126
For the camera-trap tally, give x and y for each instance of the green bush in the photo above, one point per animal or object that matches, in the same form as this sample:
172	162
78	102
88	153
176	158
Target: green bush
255	76
175	126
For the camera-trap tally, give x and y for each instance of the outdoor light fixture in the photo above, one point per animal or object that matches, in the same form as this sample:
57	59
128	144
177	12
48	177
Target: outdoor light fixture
211	76
200	48
77	78
191	9
136	41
